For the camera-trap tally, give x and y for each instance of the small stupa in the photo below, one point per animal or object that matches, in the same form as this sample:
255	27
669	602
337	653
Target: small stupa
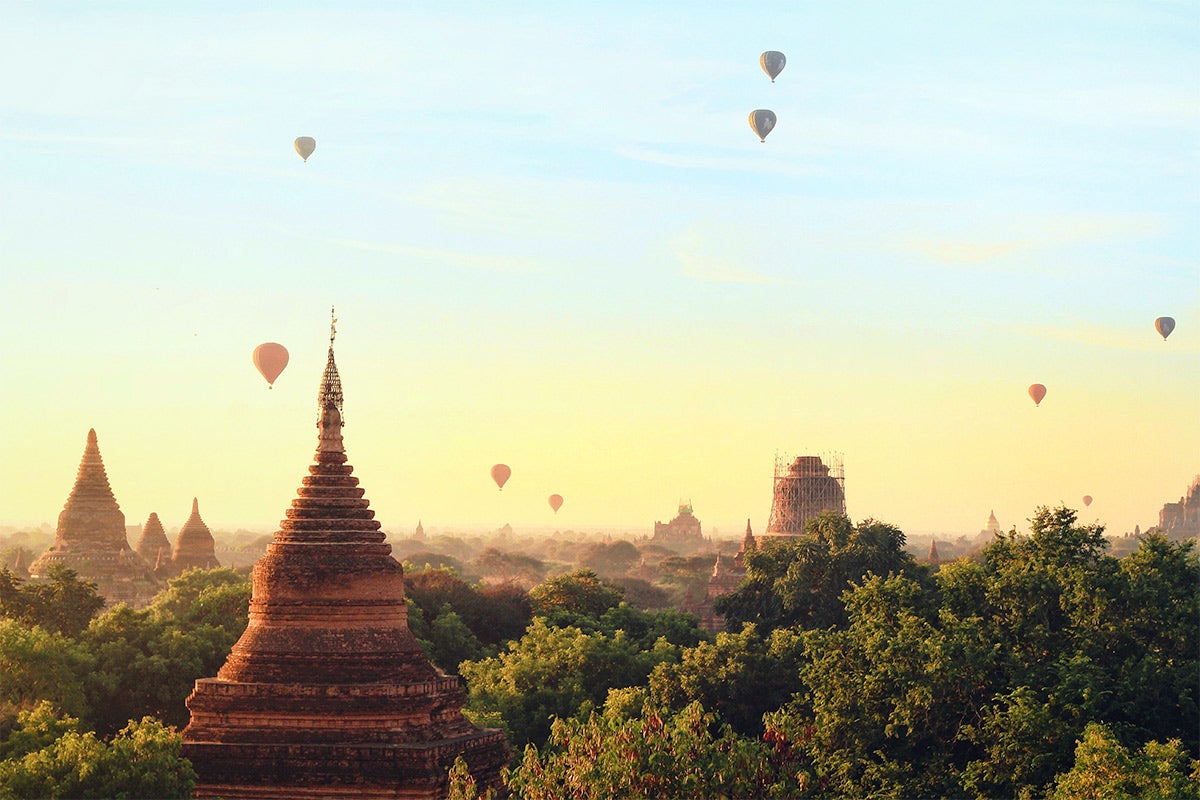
91	540
153	540
194	545
327	693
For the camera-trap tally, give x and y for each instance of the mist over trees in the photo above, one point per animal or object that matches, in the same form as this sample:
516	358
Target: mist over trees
1040	667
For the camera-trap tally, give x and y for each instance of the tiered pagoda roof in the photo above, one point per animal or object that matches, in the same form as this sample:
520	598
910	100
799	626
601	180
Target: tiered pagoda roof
327	693
194	545
90	537
153	540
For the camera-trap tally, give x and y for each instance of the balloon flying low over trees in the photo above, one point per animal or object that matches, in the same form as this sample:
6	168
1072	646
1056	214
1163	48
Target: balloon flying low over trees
1037	392
1164	326
305	145
762	122
772	62
270	359
500	474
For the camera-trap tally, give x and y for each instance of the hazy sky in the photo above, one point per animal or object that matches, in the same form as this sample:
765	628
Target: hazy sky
553	240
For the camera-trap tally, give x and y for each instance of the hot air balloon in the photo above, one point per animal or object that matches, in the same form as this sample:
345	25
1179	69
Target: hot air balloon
1164	326
762	122
556	502
305	146
1037	392
1087	500
500	473
772	63
270	359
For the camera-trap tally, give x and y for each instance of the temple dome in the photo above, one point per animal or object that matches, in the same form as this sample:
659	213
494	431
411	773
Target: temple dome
194	545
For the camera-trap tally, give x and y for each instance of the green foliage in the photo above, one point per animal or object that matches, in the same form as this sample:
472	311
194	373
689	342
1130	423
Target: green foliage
62	602
657	754
217	597
143	760
576	593
610	559
799	581
462	784
38	665
1104	770
35	729
553	672
494	614
146	666
741	676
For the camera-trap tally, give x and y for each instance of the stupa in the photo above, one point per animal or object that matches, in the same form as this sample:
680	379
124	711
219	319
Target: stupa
194	545
327	693
153	540
91	540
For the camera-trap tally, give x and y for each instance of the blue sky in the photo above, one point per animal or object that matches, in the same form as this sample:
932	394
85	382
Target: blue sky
553	239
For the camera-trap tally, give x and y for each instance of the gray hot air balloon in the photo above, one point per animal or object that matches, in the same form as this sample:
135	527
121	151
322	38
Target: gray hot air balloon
762	122
773	63
305	146
1164	326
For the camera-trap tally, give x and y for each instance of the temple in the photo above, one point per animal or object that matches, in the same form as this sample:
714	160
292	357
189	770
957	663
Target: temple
91	540
327	694
153	544
683	530
194	545
726	577
803	489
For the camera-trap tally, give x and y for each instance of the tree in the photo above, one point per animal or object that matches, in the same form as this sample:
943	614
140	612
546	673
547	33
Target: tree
1104	770
609	559
37	665
62	602
217	597
552	672
686	754
143	760
577	593
799	581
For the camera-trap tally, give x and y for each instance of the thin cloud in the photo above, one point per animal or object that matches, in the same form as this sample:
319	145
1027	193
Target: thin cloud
716	270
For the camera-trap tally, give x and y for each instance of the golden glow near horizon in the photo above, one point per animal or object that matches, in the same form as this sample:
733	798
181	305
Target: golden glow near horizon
563	249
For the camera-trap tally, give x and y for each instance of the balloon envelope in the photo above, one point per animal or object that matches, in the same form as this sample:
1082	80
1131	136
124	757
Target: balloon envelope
772	63
1037	392
762	122
1164	326
500	473
270	359
556	502
1087	499
305	146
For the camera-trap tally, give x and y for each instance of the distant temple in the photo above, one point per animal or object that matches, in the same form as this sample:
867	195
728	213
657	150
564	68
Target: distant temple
1181	521
194	545
91	539
684	529
419	533
726	577
803	489
993	526
327	693
153	544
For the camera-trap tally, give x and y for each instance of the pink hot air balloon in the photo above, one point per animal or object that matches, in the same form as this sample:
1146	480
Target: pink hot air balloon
1087	500
1037	392
270	359
556	502
500	474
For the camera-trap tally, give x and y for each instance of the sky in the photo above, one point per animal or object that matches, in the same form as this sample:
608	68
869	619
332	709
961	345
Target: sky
553	241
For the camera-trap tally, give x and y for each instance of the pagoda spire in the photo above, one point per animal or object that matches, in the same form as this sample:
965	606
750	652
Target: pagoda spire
331	382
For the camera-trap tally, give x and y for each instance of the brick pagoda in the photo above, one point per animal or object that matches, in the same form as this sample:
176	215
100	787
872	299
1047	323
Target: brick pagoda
327	694
90	538
194	545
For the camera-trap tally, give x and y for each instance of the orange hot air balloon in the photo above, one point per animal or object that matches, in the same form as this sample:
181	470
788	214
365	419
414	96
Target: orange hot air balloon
1087	500
270	359
1037	392
500	474
556	502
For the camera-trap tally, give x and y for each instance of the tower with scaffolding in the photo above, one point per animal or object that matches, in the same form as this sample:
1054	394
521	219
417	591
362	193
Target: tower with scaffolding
804	487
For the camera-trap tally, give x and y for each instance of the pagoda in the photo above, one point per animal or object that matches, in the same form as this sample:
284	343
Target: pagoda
153	543
327	693
91	540
194	545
